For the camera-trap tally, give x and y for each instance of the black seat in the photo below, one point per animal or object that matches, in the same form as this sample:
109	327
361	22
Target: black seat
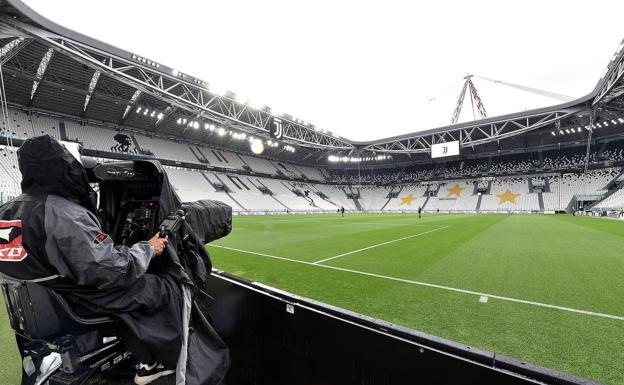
44	323
40	313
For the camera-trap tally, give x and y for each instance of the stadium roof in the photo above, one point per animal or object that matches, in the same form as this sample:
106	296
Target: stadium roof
49	67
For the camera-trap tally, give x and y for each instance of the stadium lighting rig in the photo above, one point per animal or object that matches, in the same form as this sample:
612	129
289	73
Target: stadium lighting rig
355	159
200	82
229	94
151	113
196	124
238	135
131	103
145	61
575	130
222	132
256	146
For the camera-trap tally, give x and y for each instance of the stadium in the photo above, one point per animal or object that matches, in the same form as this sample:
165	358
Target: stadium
486	251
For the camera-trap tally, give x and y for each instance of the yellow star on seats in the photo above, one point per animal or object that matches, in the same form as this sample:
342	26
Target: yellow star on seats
507	196
407	200
455	190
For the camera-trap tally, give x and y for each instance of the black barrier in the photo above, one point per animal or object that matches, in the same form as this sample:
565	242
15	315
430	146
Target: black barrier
279	338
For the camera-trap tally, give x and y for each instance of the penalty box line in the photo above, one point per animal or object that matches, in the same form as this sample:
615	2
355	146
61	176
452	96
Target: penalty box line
378	245
431	285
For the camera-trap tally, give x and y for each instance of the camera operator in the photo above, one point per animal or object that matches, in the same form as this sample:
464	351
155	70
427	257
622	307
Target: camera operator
56	240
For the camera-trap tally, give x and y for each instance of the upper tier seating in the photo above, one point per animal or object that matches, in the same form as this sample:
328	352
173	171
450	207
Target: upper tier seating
106	139
435	187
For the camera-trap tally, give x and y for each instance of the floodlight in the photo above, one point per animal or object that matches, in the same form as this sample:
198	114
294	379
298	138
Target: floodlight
257	147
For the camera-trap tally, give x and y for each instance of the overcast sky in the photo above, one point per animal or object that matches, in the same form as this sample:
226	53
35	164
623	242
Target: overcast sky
364	69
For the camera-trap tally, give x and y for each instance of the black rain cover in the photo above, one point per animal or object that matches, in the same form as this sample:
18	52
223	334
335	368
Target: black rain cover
48	168
207	356
210	220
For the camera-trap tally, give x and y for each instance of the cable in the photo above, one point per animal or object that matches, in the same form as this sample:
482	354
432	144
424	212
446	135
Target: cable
536	91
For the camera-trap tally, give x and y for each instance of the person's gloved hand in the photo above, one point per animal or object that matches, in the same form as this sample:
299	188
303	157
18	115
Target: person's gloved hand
158	243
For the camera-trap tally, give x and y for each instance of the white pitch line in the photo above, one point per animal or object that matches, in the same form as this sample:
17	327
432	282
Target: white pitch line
377	245
448	288
387	224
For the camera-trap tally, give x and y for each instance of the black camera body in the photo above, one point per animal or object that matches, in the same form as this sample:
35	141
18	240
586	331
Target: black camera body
136	201
171	225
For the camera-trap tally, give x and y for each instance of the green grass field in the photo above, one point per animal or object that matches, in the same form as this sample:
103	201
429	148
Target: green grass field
9	357
554	284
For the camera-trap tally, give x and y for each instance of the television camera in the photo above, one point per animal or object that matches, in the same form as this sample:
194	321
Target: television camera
60	347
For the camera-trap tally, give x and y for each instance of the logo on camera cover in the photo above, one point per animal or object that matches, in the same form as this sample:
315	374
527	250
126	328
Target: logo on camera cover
11	249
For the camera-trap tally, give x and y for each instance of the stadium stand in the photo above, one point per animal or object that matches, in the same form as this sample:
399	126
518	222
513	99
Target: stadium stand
10	176
410	197
275	189
614	201
511	177
564	187
509	194
454	196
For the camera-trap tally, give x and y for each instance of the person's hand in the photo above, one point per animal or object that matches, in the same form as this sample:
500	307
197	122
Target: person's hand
158	243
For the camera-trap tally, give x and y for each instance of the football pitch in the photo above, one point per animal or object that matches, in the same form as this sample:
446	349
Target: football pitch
547	289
